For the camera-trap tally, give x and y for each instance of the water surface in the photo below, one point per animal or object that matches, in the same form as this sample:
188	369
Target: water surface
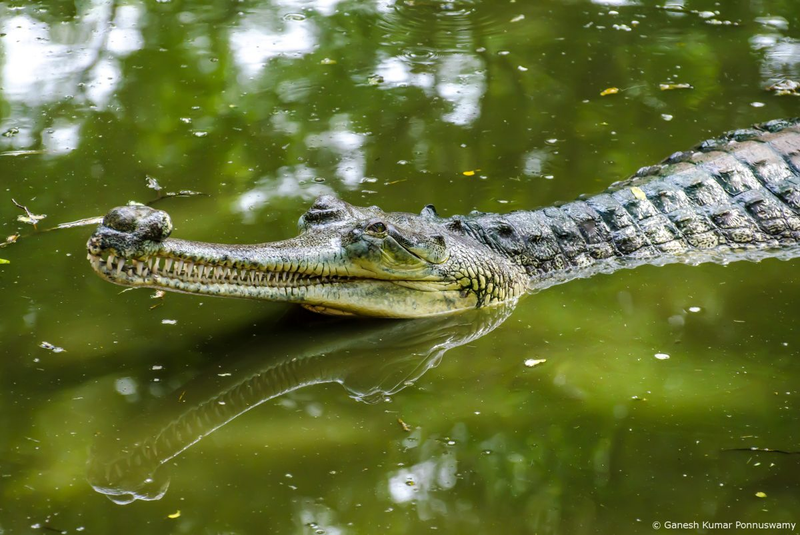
440	426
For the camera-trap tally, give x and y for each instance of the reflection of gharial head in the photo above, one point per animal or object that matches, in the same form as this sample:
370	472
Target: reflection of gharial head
128	478
346	259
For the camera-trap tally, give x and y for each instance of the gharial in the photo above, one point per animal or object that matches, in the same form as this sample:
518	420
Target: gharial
736	197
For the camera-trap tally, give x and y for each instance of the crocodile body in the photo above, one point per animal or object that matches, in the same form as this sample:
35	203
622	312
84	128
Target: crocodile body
731	198
736	197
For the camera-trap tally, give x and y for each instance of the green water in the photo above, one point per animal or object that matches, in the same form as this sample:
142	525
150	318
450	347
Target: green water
262	106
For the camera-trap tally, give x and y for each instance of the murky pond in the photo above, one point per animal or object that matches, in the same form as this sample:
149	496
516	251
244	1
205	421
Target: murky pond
607	405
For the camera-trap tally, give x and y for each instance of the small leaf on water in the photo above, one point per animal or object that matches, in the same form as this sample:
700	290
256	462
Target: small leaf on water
609	91
31	220
174	515
327	61
761	494
4	261
404	425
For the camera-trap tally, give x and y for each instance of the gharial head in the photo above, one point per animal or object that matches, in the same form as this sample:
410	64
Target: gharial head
346	260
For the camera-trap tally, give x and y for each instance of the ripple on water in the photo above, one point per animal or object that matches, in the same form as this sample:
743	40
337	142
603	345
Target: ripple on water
440	25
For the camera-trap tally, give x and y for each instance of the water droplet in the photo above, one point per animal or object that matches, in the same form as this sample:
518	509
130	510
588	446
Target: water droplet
297	17
666	116
695	309
661	356
757	104
319	179
200	134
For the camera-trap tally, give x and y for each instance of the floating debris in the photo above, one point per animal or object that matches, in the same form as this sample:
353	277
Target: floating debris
11	239
470	172
50	347
21	152
531	363
79	223
695	310
760	494
666	116
661	356
404	425
375	79
169	322
29	217
4	261
158	294
327	61
785	87
174	515
152	183
518	18
757	104
609	91
672	87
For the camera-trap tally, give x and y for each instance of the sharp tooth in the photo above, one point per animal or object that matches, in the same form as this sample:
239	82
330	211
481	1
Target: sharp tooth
227	273
260	276
252	276
189	269
208	271
167	264
109	261
156	264
120	265
234	274
146	272
218	272
150	263
139	267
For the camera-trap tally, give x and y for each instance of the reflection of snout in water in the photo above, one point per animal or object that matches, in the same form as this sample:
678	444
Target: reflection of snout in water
371	360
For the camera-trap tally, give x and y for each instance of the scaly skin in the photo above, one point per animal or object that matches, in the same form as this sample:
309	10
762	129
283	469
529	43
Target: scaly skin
736	197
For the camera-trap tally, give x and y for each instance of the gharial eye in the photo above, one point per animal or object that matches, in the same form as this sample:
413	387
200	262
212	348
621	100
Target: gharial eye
376	228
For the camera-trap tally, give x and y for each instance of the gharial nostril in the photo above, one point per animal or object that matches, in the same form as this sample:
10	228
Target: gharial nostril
148	223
